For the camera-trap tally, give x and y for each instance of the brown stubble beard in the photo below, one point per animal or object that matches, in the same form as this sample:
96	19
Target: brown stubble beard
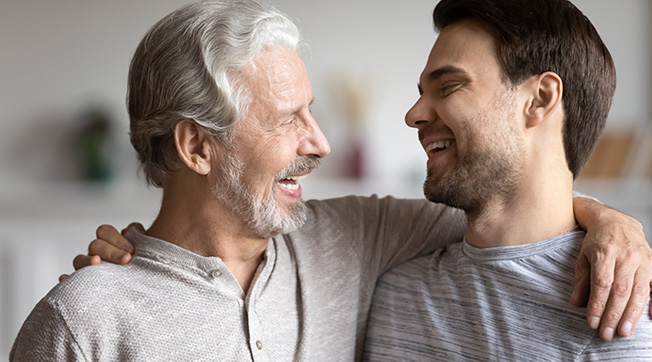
488	172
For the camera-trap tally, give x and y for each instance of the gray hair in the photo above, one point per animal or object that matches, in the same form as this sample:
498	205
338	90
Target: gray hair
186	68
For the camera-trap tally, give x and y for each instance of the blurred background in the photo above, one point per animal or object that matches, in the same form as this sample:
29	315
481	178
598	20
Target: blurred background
66	165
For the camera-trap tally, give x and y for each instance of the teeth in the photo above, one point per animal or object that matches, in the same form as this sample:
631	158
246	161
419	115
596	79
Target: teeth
296	178
438	144
292	187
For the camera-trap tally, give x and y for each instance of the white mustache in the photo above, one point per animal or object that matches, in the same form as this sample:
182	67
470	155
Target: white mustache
302	165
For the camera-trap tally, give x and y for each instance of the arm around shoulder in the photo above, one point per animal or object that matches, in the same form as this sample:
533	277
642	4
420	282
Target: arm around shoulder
615	265
413	228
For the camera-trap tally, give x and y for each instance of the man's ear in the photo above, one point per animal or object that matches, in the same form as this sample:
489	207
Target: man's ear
546	96
193	146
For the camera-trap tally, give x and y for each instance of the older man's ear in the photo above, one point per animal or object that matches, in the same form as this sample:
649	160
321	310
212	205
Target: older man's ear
193	146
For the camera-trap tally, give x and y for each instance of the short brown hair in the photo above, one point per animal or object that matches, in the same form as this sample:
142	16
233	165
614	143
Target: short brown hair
536	36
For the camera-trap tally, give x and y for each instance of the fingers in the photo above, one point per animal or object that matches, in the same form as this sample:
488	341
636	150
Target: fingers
601	281
81	261
619	296
621	271
136	225
620	288
100	248
582	282
111	236
110	246
636	304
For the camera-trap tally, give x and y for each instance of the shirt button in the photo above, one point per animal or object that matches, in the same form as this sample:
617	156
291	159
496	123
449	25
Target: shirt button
259	345
216	273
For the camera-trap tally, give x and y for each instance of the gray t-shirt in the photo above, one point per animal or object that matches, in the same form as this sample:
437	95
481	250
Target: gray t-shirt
308	302
495	304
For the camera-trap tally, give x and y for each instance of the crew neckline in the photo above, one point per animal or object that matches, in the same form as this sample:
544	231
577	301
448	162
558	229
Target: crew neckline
520	251
155	248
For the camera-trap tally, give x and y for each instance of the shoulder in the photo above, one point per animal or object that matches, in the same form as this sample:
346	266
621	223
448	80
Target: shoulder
420	269
94	291
50	331
88	297
45	335
96	279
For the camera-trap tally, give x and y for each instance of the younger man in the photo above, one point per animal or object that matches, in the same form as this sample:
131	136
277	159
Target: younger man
513	99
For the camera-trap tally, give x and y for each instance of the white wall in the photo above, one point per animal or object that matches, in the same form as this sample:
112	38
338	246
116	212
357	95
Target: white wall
57	57
60	56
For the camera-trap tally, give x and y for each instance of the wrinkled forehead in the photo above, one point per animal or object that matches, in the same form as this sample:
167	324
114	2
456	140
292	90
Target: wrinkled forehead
275	69
276	86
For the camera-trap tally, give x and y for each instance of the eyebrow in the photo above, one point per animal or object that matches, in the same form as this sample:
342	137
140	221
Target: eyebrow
290	111
445	70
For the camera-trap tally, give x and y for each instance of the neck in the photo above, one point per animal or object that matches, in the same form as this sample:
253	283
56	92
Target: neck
195	221
541	208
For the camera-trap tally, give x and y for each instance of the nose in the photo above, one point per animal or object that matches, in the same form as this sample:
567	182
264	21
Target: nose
420	114
314	143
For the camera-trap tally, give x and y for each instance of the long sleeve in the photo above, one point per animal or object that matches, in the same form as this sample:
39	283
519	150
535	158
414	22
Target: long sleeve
385	232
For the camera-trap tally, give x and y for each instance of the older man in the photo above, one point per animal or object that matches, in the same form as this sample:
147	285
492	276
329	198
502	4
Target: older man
519	92
219	102
219	105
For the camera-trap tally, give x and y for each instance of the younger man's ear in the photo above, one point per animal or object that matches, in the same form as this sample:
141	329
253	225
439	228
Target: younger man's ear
193	146
546	97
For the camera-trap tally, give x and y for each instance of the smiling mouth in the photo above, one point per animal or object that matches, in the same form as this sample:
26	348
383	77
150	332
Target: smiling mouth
291	182
438	146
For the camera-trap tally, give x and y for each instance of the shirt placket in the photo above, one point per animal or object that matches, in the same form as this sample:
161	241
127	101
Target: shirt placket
259	350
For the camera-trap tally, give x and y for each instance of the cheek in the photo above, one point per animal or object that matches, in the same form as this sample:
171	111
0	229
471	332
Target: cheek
282	147
269	159
457	116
